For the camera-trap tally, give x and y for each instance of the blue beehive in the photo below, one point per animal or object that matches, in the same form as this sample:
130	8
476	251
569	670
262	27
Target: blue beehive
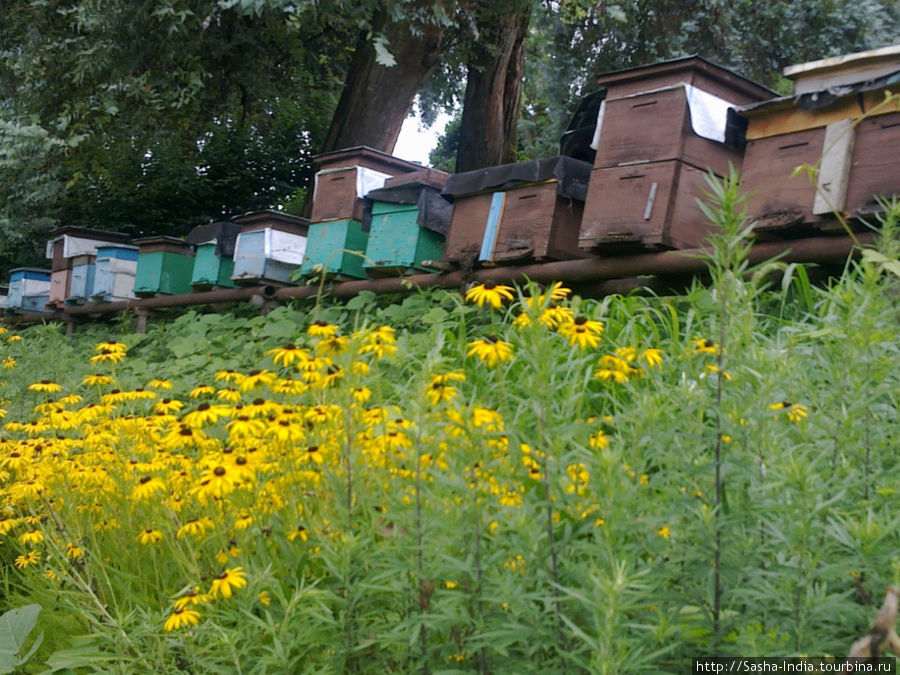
269	248
114	274
29	289
81	282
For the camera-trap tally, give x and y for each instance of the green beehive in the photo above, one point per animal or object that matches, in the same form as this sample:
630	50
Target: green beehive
213	255
211	270
337	245
164	266
397	242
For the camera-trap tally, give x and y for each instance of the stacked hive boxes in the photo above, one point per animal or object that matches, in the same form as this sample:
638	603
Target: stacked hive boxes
214	255
660	129
820	126
73	255
337	240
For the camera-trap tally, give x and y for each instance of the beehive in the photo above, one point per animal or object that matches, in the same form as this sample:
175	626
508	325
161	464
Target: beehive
821	126
65	244
115	273
29	289
214	255
517	212
336	248
270	247
408	221
164	266
344	177
660	129
81	285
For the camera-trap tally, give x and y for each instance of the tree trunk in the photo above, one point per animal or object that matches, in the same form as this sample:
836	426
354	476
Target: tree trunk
494	87
376	98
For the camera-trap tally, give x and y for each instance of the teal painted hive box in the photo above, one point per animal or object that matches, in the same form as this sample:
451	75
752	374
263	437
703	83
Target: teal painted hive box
164	266
211	270
338	246
214	255
407	222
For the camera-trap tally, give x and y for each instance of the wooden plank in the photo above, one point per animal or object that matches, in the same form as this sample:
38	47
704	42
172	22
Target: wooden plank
834	170
874	168
498	199
780	119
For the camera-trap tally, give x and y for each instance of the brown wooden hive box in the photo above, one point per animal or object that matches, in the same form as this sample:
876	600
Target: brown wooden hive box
661	128
341	177
517	212
850	134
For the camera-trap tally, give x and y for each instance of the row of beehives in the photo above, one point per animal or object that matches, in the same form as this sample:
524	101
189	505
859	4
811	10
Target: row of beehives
654	133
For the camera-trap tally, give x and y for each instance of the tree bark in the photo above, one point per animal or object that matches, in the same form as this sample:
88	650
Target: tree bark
376	99
494	87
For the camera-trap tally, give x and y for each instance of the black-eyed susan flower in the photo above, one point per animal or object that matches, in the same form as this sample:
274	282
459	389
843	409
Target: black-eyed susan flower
287	354
332	345
490	350
196	528
45	387
229	395
205	414
202	390
14	338
31	537
159	384
322	329
147	488
74	552
216	481
227	580
796	412
149	536
704	346
181	617
582	332
299	532
27	559
257	379
441	388
264	597
229	376
489	293
9	362
167	405
664	532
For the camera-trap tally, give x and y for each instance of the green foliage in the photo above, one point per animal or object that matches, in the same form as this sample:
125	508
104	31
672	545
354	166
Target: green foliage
15	626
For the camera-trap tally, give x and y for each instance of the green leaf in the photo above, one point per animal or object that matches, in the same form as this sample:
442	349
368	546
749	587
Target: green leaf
15	625
382	56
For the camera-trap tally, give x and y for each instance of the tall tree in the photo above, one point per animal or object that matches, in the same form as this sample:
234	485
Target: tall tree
386	73
495	69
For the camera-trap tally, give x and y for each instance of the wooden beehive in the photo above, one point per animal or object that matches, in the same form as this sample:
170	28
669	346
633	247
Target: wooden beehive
408	221
164	266
214	255
660	129
81	284
115	273
65	244
821	126
344	177
29	289
270	247
336	248
517	212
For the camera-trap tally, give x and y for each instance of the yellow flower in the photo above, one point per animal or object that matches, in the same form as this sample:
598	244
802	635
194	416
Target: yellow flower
441	388
159	384
14	338
322	329
796	412
664	532
27	559
264	598
224	582
258	378
111	346
202	390
74	552
652	357
196	527
9	362
45	387
149	536
192	597
180	617
167	405
31	537
147	488
704	346
229	376
300	533
489	292
582	332
287	354
490	350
